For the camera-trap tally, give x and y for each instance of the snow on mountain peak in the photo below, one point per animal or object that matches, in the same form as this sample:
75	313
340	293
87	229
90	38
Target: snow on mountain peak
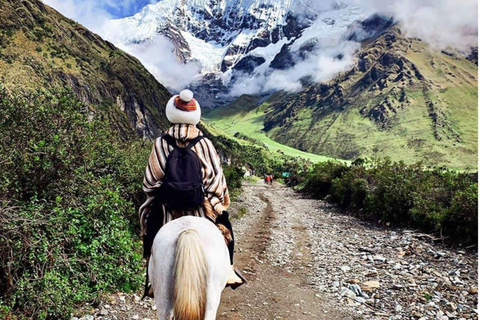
228	41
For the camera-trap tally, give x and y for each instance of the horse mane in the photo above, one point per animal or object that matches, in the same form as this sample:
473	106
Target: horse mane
190	278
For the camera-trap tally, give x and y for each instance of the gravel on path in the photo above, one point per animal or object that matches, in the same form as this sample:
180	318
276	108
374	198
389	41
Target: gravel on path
306	260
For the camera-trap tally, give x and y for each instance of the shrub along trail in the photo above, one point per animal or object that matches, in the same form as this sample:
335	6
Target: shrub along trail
304	260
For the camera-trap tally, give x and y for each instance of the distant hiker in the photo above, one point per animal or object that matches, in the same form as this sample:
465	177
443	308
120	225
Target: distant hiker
271	179
267	179
184	177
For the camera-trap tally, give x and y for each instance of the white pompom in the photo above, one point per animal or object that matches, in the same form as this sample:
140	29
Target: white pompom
186	95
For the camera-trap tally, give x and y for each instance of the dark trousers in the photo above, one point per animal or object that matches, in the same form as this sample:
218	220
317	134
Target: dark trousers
154	223
223	219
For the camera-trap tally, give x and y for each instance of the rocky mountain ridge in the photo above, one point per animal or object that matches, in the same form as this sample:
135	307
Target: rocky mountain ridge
233	40
399	90
401	98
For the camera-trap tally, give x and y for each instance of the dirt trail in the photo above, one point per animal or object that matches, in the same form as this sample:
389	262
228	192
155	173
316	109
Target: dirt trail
303	260
273	291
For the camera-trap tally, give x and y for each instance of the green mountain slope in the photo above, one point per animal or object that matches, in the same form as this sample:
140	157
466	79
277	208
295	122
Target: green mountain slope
40	48
243	119
403	99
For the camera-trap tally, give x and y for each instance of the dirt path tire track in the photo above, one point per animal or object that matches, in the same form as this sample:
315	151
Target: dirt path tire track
273	291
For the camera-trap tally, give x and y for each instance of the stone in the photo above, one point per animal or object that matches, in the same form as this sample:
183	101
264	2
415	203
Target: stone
366	249
348	293
345	269
372	273
363	294
353	281
360	299
87	317
104	312
473	290
370	286
355	288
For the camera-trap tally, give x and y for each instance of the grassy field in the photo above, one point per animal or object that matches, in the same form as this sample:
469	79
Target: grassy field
250	123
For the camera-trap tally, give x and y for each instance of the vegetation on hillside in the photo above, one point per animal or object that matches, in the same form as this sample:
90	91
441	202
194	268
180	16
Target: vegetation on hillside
40	48
69	189
437	200
244	123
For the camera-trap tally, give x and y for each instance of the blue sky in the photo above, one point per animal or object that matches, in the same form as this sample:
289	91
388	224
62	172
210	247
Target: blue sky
127	9
93	13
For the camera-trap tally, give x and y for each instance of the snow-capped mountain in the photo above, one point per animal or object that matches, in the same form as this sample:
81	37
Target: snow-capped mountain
235	46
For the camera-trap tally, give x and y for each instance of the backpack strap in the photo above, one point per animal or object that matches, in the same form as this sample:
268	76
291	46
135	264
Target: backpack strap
193	142
170	140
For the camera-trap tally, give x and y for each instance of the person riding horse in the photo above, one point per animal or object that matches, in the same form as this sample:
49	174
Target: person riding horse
184	113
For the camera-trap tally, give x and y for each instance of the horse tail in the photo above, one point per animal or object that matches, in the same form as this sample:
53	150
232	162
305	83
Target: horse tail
190	278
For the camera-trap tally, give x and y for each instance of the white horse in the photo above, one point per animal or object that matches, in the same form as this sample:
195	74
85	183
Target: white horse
188	269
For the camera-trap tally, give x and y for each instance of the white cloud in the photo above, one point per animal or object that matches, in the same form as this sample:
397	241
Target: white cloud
322	65
158	56
87	12
441	23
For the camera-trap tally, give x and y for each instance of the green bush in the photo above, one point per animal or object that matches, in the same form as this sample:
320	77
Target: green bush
439	201
234	176
320	179
69	188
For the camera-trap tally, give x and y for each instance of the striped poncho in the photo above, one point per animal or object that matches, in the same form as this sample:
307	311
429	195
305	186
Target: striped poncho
216	198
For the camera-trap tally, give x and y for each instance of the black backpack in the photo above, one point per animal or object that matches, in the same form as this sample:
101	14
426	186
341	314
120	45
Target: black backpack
182	186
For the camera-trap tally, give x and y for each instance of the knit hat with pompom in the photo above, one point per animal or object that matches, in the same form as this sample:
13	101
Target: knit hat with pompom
183	108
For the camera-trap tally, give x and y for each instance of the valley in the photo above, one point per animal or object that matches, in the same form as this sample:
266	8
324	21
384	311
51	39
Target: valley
321	82
249	125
